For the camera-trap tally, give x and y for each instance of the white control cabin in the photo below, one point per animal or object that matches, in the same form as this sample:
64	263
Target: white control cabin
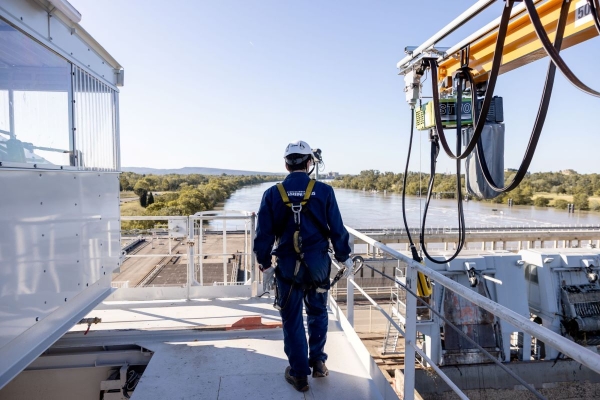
59	165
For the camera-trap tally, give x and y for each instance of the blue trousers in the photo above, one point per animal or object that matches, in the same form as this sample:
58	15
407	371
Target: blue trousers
301	354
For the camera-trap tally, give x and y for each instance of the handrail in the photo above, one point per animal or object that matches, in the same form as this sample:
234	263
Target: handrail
564	345
444	377
189	232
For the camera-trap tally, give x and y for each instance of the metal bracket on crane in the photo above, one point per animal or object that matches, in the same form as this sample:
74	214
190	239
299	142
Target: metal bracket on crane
471	273
525	46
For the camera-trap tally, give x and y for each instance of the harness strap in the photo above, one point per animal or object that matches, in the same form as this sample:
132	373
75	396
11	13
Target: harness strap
297	208
286	199
283	193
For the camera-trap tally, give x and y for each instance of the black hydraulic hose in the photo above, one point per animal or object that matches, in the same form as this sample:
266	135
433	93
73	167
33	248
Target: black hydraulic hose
479	123
553	53
595	8
462	334
413	249
435	149
539	120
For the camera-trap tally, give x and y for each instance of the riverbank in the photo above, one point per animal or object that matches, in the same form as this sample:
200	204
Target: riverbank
378	210
594	201
541	188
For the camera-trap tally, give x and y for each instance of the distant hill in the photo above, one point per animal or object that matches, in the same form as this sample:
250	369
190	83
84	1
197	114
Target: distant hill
195	170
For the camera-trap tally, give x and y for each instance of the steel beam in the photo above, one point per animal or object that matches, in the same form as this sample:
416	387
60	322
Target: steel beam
522	45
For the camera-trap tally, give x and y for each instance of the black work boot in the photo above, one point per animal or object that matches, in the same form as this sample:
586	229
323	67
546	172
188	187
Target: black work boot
319	369
300	383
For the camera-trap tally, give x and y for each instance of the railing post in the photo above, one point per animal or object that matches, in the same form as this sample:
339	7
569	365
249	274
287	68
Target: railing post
526	356
410	337
350	300
200	251
253	266
224	252
190	255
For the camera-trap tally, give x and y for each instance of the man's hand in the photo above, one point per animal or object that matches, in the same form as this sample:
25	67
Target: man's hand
349	264
268	279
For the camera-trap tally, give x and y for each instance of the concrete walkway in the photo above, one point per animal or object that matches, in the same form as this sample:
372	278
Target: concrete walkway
196	358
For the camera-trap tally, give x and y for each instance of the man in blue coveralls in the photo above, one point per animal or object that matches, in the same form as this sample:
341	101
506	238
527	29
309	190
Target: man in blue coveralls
295	225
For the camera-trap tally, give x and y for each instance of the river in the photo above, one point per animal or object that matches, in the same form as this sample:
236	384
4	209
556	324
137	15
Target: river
377	210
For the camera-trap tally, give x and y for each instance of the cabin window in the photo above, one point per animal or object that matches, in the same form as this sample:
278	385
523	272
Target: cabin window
52	112
94	122
34	98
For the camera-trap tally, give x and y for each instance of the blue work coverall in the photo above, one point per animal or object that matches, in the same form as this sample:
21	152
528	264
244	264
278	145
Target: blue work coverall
276	222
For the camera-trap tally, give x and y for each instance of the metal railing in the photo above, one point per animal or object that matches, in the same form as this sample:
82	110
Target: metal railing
228	283
174	257
372	291
508	238
197	237
487	228
552	339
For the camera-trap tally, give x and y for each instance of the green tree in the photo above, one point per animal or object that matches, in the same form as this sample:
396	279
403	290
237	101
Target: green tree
521	195
192	200
150	199
153	182
141	187
143	198
561	204
541	202
581	201
123	183
558	189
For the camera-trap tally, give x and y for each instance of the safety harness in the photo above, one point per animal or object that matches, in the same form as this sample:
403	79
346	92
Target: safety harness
297	209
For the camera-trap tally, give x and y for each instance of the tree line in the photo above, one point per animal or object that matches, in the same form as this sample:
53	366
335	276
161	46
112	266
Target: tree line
183	194
569	182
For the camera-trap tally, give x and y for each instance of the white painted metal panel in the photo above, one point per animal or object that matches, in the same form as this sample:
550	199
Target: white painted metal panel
512	293
64	37
60	236
30	14
173	293
67	39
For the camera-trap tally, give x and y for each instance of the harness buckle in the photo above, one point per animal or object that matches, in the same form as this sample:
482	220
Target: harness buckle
296	209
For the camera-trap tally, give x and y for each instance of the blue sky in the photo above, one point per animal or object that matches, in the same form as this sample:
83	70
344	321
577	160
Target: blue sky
227	84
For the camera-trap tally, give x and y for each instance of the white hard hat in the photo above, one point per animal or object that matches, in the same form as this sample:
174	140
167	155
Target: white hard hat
300	149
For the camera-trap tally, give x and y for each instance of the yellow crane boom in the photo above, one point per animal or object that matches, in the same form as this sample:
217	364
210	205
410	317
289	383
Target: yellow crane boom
522	45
